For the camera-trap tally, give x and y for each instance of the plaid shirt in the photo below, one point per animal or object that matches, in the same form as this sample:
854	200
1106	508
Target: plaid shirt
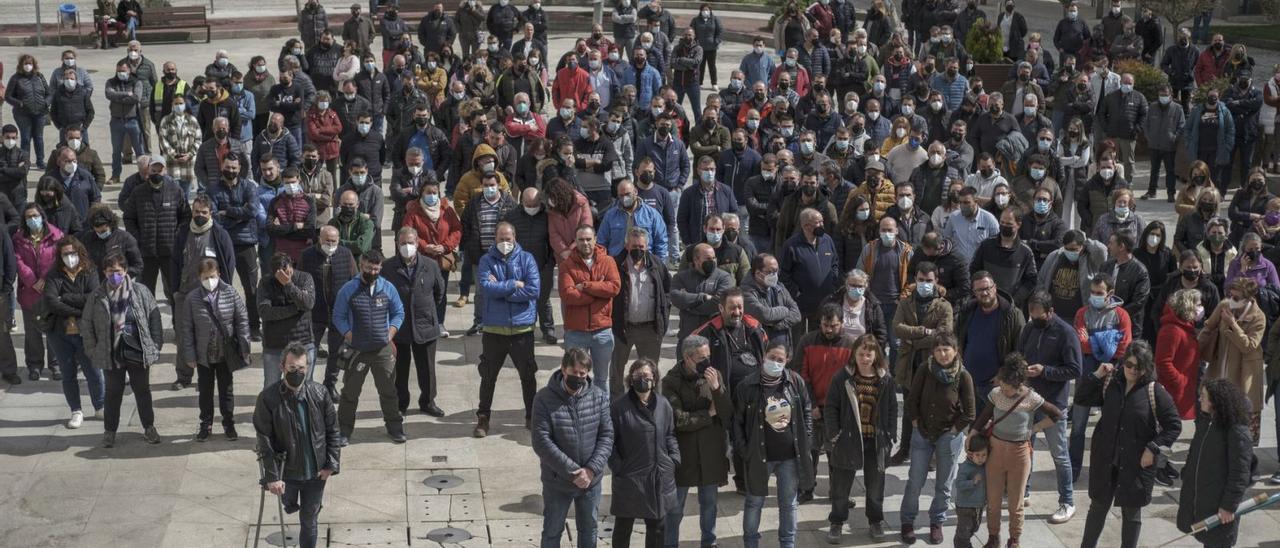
180	138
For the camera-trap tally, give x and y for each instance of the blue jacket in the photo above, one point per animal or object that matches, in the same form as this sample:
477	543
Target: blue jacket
286	149
670	162
734	168
755	68
248	111
693	210
504	304
237	210
969	490
612	233
570	431
647	84
1226	133
81	190
809	272
952	92
345	318
266	195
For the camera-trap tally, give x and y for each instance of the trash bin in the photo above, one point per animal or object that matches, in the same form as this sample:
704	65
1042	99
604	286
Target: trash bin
67	13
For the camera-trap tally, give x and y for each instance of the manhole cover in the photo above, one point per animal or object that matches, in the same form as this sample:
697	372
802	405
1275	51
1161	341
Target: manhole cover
448	534
443	481
275	539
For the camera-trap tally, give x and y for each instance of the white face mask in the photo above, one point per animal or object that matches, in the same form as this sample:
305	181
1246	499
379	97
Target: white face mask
74	144
505	248
415	170
328	249
408	250
209	284
71	260
10	143
773	368
531	211
1002	200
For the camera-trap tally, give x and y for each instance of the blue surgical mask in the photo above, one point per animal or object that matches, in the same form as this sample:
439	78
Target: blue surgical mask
1072	256
1126	88
1045	144
864	214
1037	173
1098	301
773	368
490	192
714	238
104	235
35	223
856	292
924	289
431	200
806	147
1041	207
237	88
1122	212
887	238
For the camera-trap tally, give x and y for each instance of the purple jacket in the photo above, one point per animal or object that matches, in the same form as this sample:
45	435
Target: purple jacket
1264	273
34	263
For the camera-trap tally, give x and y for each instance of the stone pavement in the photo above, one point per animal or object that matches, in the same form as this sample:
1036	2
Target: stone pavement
57	488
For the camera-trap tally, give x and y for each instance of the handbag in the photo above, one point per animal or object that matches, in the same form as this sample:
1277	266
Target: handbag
128	350
237	357
449	261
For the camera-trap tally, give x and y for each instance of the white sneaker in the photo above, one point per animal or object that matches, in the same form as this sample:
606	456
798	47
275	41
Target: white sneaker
1064	514
98	413
444	333
77	419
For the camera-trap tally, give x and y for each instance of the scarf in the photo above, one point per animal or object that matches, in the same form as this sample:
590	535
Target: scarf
201	230
433	213
770	382
118	299
945	375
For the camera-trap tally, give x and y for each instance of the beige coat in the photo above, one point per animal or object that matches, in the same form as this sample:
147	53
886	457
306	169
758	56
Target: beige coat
1233	348
910	330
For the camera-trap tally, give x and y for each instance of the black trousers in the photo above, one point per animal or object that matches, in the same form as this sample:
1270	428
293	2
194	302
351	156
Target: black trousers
494	356
334	340
546	319
206	376
247	271
1130	519
709	66
140	381
153	266
8	356
653	532
842	484
424	362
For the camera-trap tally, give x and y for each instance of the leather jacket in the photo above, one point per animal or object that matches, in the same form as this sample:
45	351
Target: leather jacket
276	421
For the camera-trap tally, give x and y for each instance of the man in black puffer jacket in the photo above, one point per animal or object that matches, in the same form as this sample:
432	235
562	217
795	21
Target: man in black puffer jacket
285	298
153	215
297	452
530	222
572	435
104	237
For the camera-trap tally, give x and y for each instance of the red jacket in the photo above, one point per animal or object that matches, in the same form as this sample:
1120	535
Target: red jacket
1123	324
323	129
571	84
536	126
591	307
445	231
1178	361
1208	67
818	360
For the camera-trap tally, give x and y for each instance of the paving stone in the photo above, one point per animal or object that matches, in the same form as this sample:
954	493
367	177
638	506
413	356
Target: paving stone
368	534
479	531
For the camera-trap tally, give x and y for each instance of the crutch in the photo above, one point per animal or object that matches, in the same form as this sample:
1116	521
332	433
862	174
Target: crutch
262	499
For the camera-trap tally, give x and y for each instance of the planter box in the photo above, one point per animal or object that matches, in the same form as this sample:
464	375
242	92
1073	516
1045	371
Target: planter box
993	75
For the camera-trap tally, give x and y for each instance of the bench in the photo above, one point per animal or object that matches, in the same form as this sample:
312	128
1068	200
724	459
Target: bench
162	21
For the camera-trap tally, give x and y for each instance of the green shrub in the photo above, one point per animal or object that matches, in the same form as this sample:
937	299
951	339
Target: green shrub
984	43
1147	79
1220	84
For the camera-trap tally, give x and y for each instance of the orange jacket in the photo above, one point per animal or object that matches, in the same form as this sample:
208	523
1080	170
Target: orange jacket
445	231
589	308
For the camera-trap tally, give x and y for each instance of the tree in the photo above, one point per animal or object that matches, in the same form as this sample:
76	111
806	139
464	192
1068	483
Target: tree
1177	12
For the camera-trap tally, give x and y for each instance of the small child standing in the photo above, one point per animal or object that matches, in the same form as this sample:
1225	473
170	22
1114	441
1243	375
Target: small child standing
970	491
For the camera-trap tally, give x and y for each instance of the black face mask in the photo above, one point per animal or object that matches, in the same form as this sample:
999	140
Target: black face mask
636	254
156	179
646	178
1191	275
731	234
1006	231
220	134
1040	323
739	146
957	136
230	175
368	278
708	267
1253	254
574	382
1208	209
819	232
642	386
310	163
200	220
294	379
809	191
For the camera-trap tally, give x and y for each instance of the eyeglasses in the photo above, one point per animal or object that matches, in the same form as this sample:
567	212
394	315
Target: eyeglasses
984	289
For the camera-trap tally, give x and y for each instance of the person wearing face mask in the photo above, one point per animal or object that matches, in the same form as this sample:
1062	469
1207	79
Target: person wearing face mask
1190	275
213	336
1007	258
1177	355
285	300
28	93
479	223
1070	268
421	287
154	213
291	218
646	455
818	356
70	102
704	199
58	212
1180	63
330	265
324	129
298	439
1251	264
629	211
125	94
1132	280
350	106
1071	33
366	144
1121	217
1244	102
70	277
1228	356
1212	61
809	267
1123	114
470	18
14	166
1210	138
694	289
772	432
103	236
589	282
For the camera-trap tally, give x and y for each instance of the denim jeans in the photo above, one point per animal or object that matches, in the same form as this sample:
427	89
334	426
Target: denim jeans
69	350
555	509
31	128
1056	438
307	496
600	344
949	447
706	516
692	91
1200	27
119	127
271	358
1079	423
788	481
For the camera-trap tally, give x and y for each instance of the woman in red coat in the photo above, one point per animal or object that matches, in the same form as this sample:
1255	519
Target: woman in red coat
324	130
1177	354
439	233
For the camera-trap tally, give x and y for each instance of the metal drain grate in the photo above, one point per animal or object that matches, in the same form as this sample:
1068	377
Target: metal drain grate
445	535
290	538
443	481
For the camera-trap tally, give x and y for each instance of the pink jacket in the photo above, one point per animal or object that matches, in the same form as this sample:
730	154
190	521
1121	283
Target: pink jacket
34	263
562	229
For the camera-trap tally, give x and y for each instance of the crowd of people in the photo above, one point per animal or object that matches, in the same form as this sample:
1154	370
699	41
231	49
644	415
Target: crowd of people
851	217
